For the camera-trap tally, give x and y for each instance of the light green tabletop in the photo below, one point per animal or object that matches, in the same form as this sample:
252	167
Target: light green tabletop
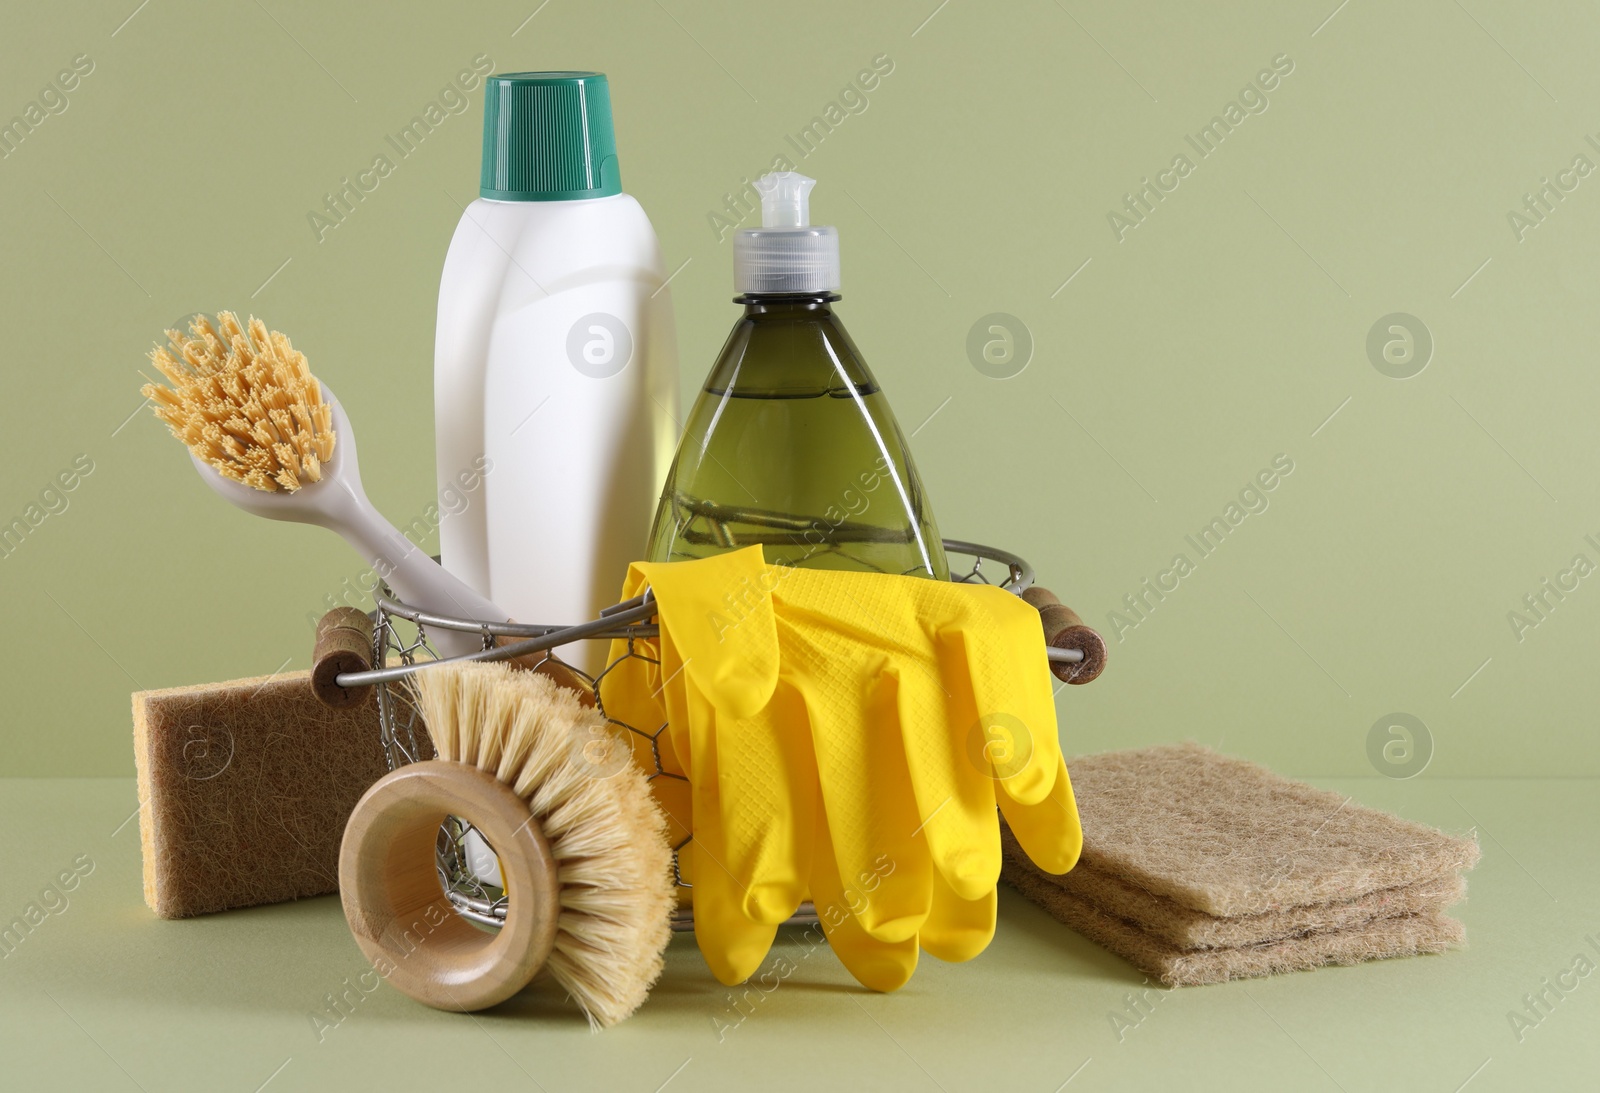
103	995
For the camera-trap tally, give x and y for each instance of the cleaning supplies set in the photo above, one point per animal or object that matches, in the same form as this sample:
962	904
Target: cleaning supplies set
776	701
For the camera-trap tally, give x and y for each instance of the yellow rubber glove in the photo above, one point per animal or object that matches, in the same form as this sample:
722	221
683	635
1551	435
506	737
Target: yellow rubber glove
767	775
960	672
898	705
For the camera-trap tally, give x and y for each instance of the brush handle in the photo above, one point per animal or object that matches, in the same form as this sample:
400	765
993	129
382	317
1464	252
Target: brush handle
416	578
389	884
339	503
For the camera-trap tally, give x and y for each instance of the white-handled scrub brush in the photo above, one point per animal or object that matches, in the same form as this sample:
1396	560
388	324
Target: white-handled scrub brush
266	435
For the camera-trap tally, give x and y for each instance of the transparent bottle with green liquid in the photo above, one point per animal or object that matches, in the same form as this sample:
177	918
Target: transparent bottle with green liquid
791	444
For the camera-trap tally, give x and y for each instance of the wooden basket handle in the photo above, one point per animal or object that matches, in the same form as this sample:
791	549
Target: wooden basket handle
344	644
1063	629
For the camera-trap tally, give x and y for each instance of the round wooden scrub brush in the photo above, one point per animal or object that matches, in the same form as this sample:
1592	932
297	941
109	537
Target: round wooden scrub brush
582	848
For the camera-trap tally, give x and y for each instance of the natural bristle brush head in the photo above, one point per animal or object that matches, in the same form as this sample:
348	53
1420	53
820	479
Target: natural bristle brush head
245	402
574	826
270	439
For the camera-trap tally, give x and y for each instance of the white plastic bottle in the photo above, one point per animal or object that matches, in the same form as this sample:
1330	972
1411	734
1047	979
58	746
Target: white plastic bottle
555	376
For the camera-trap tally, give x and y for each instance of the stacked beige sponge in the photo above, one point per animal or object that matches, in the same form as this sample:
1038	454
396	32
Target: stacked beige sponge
1198	868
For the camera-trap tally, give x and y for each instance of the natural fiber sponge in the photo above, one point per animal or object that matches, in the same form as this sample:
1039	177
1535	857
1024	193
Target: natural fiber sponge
1185	928
1377	939
244	790
1228	838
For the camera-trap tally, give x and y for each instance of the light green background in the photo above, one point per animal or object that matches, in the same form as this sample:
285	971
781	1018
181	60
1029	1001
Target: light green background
1223	331
1176	364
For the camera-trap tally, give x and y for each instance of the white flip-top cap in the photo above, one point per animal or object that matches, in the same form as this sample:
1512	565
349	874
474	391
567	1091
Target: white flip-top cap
786	254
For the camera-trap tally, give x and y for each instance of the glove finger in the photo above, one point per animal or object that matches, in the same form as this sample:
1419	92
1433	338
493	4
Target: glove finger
838	635
871	810
998	673
767	791
731	943
1048	832
958	929
878	965
954	793
717	673
671	691
696	722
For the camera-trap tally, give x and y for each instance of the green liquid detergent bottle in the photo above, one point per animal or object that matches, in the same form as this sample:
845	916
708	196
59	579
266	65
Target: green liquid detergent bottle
792	444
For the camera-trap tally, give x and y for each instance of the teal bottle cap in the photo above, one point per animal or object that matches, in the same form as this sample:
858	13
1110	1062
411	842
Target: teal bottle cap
547	136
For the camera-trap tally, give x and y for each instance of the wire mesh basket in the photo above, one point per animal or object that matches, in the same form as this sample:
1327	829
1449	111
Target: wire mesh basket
468	872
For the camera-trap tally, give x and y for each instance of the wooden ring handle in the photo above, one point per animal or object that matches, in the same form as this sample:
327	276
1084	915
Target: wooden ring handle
400	916
1063	629
344	644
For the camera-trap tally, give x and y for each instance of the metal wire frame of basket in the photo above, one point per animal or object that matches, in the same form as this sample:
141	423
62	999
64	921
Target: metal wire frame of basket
400	644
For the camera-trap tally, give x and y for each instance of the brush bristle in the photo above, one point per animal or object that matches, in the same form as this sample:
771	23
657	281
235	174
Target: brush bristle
245	402
605	831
